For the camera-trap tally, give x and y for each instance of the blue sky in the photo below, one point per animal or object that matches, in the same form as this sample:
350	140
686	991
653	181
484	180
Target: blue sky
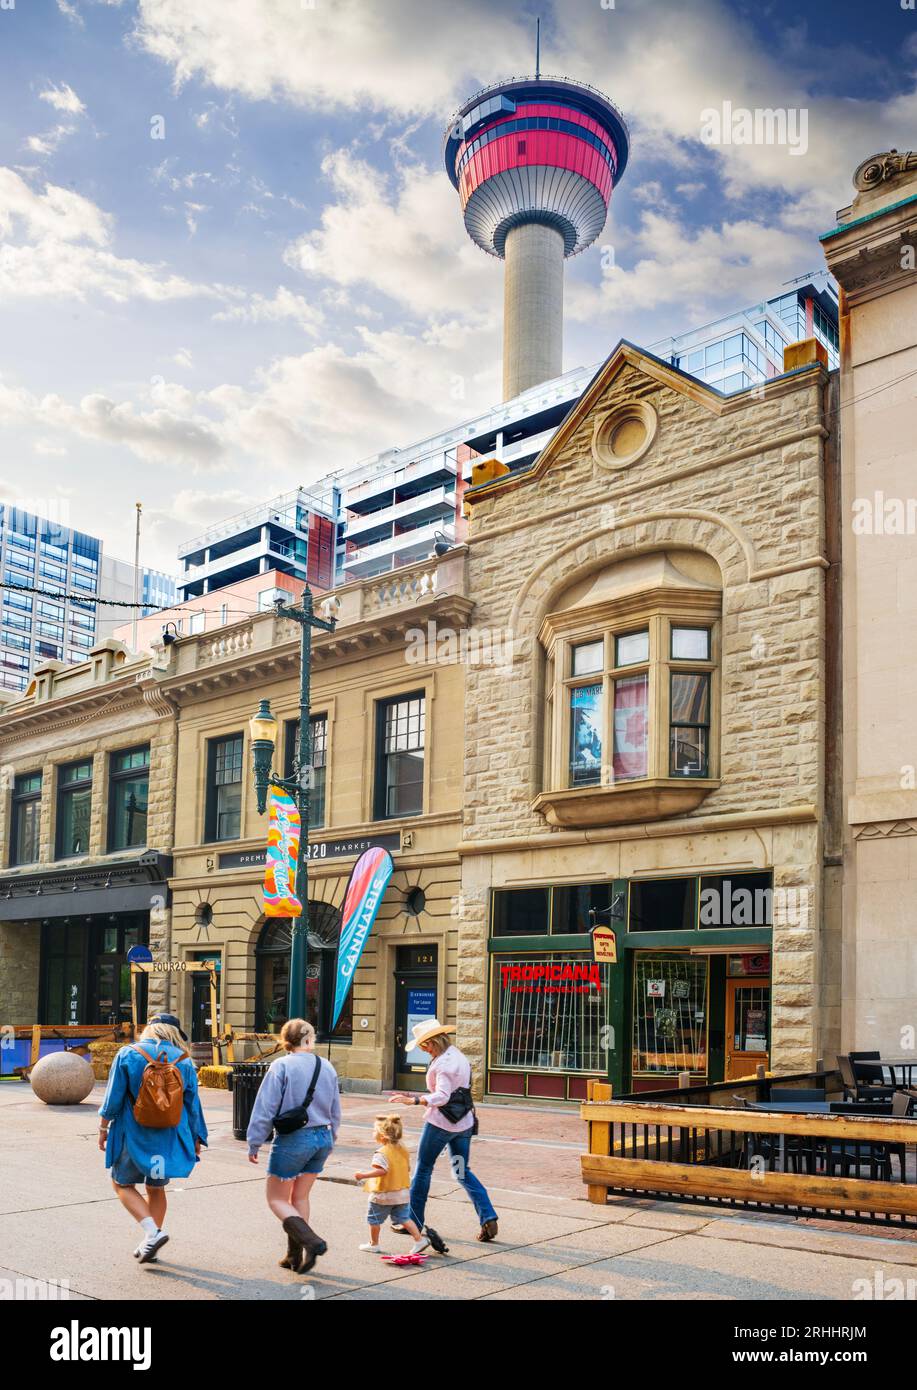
281	285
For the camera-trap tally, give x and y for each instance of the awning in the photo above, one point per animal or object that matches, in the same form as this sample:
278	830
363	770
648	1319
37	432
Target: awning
106	886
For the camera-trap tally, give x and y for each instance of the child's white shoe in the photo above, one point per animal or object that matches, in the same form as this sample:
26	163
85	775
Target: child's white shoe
371	1249
420	1246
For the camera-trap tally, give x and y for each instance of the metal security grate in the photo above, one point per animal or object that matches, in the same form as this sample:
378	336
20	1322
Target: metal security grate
549	1022
670	1014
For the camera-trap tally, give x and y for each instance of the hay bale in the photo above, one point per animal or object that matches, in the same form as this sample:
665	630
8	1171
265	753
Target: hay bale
102	1052
216	1078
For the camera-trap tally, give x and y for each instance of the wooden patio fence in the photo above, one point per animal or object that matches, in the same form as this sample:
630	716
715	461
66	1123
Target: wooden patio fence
789	1162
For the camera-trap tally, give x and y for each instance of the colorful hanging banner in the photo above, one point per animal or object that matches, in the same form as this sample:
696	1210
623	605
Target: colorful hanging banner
365	890
280	898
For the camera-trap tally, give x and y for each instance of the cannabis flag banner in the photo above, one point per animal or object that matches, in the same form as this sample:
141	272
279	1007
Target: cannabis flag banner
368	882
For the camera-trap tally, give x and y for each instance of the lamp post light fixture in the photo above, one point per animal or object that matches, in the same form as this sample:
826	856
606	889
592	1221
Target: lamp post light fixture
263	730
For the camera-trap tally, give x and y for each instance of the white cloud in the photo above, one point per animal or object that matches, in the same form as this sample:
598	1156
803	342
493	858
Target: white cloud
702	273
49	449
183	358
47	144
159	435
402	235
192	212
63	98
347	54
71	12
55	244
285	305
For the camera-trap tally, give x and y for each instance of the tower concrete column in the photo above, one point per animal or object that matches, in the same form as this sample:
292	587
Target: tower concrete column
533	306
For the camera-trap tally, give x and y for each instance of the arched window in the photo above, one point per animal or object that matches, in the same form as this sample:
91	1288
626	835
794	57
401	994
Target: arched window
631	719
272	973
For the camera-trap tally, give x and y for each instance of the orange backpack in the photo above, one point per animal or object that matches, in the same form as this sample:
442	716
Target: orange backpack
162	1092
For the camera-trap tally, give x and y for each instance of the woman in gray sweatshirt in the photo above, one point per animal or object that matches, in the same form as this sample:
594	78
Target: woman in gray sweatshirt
297	1158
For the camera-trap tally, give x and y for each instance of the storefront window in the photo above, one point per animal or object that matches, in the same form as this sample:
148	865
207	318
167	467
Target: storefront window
272	957
548	1012
522	912
662	904
669	1013
74	801
573	904
64	973
128	797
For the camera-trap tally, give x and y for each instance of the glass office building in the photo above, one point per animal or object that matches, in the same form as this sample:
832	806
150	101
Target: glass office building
38	627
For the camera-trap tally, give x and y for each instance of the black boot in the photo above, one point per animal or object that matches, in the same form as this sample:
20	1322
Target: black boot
310	1245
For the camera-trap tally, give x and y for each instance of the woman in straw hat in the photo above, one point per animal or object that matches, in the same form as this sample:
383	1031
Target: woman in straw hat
450	1124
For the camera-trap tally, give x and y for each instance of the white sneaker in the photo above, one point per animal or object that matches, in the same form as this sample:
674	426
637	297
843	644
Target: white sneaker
419	1246
371	1249
149	1247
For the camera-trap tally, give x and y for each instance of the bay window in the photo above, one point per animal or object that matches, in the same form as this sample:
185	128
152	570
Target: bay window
631	708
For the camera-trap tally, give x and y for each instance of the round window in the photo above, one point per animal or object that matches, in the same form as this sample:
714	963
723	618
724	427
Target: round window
415	900
624	435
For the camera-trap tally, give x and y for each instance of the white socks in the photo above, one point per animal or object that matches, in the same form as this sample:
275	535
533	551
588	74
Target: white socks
150	1229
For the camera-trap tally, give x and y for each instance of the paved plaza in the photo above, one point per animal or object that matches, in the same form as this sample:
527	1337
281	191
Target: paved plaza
60	1221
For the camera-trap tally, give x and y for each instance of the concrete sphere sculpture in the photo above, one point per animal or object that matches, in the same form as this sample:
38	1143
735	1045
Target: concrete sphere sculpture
62	1078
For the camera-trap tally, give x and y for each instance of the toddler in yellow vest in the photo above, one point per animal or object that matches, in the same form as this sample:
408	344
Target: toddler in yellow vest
388	1183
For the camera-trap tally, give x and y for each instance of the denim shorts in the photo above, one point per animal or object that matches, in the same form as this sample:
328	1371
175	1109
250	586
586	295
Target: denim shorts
306	1150
125	1172
377	1212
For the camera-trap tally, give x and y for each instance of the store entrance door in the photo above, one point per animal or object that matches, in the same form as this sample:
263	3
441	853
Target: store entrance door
111	1002
748	1016
416	1000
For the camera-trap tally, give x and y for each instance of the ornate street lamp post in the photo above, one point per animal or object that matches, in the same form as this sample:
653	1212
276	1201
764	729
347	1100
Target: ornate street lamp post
263	727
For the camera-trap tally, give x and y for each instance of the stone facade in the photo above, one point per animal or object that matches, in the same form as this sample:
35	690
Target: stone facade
70	713
215	683
744	482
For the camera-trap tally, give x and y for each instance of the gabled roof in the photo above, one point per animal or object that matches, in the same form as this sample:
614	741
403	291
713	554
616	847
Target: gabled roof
627	354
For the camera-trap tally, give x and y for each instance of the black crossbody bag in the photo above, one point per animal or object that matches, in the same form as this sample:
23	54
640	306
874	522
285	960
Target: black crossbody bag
292	1120
459	1104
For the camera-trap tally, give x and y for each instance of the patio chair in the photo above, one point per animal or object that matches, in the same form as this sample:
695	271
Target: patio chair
848	1080
878	1157
870	1080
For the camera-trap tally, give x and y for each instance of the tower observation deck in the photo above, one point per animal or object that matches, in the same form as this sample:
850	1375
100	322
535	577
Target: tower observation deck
534	161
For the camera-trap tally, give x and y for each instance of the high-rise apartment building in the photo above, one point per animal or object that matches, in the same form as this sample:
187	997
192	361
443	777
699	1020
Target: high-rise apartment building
295	534
746	348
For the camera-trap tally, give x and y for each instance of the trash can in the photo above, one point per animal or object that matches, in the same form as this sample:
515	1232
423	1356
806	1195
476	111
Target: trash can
244	1082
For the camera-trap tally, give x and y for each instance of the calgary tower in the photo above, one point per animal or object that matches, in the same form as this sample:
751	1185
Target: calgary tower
534	161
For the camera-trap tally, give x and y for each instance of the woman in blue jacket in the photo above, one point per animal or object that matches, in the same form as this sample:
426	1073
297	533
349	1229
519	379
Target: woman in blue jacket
135	1153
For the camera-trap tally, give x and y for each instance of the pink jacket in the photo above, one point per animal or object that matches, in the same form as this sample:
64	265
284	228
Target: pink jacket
446	1072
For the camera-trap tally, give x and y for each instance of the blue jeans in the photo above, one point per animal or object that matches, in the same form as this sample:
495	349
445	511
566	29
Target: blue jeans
306	1150
432	1142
